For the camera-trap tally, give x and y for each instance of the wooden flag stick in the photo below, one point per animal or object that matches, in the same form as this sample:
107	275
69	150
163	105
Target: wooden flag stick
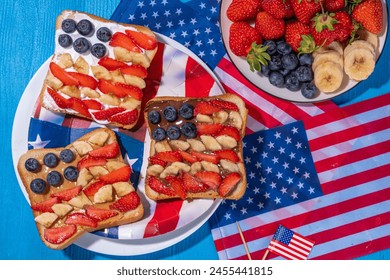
265	254
243	241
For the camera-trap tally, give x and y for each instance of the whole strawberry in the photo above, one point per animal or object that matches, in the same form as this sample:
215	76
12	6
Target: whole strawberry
298	37
334	5
305	9
370	14
270	28
278	8
323	30
241	10
344	27
241	37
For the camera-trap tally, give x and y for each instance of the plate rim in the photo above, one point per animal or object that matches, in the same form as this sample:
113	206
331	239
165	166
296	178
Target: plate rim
94	242
309	101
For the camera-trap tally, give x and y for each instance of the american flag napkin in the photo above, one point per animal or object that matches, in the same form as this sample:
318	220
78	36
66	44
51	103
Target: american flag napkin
327	177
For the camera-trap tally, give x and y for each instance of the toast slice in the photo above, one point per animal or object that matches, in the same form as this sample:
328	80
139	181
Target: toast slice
98	69
196	147
81	188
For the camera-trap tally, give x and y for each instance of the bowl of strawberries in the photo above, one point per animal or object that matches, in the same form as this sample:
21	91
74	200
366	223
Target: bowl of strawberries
304	50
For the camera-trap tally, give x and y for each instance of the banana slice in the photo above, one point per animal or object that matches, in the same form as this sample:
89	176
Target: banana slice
330	55
358	44
359	63
369	37
334	46
328	76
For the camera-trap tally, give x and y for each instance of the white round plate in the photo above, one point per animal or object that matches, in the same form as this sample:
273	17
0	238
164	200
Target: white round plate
262	82
195	213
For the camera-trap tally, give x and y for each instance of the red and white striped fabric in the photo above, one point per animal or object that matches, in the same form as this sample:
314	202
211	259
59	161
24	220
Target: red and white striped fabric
351	152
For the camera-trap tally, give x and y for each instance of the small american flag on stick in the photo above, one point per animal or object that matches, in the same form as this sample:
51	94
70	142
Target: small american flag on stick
290	244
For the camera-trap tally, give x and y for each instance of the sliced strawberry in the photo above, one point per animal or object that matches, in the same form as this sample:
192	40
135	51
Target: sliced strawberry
62	75
226	105
99	214
213	158
126	203
80	219
57	235
67	194
120	90
93	104
93	188
128	117
61	102
178	185
154	160
45	206
208	128
111	64
120	39
135	70
119	175
211	179
228	154
192	184
205	108
228	183
79	106
84	80
230	131
90	161
188	157
143	40
169	156
107	113
156	185
107	151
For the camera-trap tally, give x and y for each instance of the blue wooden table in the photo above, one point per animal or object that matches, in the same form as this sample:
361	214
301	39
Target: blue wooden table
26	41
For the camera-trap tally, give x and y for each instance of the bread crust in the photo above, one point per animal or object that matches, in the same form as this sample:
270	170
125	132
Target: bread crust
149	55
120	219
239	190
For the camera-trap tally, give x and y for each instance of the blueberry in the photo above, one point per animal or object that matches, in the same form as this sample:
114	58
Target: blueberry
65	41
159	134
154	117
276	79
271	47
67	155
173	132
54	178
292	82
304	74
290	61
71	173
306	59
104	34
85	27
38	186
32	165
265	70
68	25
170	113
186	111
50	160
98	50
81	45
189	130
275	63
283	48
309	90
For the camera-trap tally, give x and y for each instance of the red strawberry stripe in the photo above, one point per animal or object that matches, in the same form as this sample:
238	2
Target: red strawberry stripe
135	70
156	185
228	183
107	151
79	106
84	80
81	220
126	118
126	203
188	157
169	156
107	113
111	64
45	206
178	185
93	188
93	104
120	90
143	40
209	129
228	154
90	161
99	214
230	131
122	40
226	105
58	235
212	179
62	75
213	158
192	184
119	175
205	108
62	102
67	194
154	160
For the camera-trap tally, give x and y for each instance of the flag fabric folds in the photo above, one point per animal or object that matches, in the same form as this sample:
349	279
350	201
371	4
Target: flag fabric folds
290	245
350	148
